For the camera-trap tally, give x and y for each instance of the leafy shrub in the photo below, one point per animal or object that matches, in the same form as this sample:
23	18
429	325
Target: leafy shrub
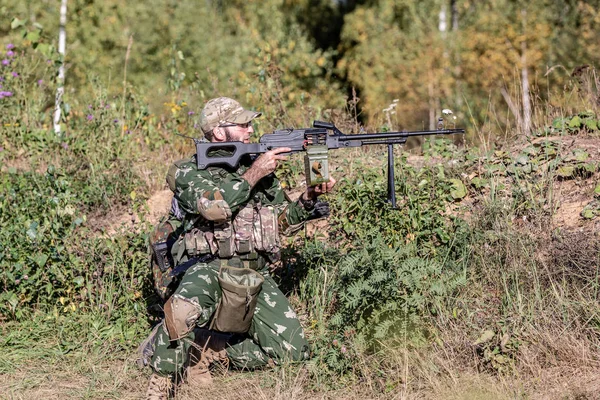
39	211
392	267
49	259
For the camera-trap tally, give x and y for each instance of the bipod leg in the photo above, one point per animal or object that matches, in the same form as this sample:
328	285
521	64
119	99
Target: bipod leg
391	183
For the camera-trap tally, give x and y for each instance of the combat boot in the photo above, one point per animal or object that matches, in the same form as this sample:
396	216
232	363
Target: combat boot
146	348
159	387
209	347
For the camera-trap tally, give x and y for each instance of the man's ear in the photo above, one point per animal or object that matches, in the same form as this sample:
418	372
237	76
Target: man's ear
219	134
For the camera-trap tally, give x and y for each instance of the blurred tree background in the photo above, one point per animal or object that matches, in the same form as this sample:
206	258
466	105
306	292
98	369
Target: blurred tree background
493	62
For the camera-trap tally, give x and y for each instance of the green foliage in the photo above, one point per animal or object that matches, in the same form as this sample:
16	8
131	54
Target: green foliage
382	290
382	283
423	196
47	257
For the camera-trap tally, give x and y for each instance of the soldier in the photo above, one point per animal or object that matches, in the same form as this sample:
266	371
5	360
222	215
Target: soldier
226	307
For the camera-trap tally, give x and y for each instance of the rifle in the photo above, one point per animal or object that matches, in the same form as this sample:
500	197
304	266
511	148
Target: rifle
316	142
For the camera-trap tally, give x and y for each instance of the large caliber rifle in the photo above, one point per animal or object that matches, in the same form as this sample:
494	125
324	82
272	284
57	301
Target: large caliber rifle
316	143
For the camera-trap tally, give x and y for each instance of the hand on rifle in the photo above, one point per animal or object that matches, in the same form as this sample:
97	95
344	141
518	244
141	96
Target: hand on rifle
265	165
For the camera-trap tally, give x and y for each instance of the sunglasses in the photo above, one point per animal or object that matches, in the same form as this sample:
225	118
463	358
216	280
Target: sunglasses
243	126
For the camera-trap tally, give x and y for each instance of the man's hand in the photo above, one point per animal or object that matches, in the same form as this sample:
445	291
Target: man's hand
315	191
264	165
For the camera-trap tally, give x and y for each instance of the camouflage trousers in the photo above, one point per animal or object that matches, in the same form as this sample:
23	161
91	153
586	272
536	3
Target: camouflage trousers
275	332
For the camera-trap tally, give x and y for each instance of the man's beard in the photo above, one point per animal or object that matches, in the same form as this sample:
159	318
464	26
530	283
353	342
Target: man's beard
228	136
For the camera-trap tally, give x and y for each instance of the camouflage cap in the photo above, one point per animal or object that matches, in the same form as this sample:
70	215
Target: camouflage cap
223	110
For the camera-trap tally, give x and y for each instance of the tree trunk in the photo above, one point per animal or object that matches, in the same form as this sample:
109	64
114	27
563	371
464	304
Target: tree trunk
62	39
526	127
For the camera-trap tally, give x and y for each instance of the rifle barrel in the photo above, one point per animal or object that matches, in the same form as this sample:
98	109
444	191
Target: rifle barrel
385	135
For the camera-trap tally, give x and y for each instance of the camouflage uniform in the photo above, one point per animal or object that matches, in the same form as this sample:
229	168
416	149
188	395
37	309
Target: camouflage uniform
275	332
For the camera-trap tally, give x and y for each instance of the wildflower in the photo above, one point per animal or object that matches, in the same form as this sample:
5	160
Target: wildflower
335	342
10	53
25	276
5	62
107	106
1	148
5	94
64	145
446	111
90	117
17	281
10	46
40	82
343	350
15	75
191	113
115	121
89	106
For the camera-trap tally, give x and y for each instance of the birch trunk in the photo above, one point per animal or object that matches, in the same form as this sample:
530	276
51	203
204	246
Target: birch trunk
62	39
526	127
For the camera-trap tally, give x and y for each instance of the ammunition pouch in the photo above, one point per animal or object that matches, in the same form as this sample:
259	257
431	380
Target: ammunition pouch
200	241
254	229
243	225
240	288
266	229
225	239
180	315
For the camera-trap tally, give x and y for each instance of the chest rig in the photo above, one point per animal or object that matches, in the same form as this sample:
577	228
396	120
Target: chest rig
253	230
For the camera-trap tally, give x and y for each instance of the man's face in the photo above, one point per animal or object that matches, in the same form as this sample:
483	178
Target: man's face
239	133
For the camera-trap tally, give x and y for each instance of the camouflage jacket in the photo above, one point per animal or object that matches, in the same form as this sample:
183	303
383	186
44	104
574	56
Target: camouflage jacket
189	185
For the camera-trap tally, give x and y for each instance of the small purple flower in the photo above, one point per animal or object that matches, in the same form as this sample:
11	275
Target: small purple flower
17	281
191	113
1	148
107	106
1	79
10	53
343	350
25	276
15	75
127	132
115	121
5	62
40	82
90	117
64	145
89	106
335	342
10	46
5	94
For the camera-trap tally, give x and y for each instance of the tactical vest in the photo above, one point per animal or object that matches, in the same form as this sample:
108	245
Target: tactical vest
254	229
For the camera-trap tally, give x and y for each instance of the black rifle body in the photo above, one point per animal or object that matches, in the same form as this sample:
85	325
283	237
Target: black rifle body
323	136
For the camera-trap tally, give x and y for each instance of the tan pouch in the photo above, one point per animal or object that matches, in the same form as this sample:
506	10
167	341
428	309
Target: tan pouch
243	226
240	288
225	239
199	241
266	230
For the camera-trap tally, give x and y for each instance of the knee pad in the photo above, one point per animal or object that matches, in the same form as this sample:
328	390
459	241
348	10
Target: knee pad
180	316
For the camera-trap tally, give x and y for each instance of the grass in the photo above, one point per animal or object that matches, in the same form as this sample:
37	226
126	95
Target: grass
500	302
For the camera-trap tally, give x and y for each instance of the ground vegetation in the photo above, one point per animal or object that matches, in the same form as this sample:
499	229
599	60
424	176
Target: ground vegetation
483	283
